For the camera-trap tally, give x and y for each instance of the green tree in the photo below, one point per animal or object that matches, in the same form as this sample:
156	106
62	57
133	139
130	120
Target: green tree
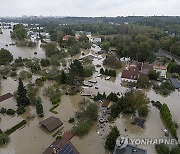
22	98
111	139
5	57
50	49
143	81
175	150
153	75
162	149
63	77
106	46
4	138
19	32
45	62
39	107
20	110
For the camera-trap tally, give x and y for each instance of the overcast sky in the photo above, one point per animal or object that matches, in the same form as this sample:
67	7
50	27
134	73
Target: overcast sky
89	7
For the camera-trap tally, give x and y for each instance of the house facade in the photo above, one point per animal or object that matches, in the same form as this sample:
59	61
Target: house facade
96	40
162	69
95	48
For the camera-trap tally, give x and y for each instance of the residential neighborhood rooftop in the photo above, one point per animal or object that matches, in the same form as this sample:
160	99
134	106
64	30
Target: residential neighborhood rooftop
62	146
51	123
130	149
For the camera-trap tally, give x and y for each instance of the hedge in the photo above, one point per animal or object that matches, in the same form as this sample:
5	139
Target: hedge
52	109
14	128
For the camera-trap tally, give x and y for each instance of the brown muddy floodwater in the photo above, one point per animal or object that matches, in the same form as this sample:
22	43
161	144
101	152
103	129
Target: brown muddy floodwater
24	52
33	139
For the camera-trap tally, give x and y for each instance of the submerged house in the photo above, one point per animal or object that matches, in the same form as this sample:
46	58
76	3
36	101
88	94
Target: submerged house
62	146
123	147
95	48
79	33
135	69
162	69
66	37
96	40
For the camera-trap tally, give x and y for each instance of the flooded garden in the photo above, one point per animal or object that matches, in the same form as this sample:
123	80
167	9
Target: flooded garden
34	139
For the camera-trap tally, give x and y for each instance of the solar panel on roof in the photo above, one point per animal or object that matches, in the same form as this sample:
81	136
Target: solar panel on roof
66	150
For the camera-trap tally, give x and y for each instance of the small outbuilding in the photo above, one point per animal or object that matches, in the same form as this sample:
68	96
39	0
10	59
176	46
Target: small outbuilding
139	122
51	123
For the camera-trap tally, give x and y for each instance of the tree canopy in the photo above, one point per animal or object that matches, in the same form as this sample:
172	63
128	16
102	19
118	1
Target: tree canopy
5	57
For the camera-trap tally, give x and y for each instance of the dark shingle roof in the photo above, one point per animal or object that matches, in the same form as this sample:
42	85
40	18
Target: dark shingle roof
6	96
175	82
130	149
51	123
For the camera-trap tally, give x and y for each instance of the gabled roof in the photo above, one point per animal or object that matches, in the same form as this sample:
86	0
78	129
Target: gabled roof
51	123
175	82
5	96
130	149
62	146
66	37
105	103
132	74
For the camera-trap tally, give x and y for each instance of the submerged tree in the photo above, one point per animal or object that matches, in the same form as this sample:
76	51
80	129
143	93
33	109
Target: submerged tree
22	98
39	107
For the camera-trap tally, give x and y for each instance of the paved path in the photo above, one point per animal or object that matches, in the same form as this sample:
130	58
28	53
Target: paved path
170	55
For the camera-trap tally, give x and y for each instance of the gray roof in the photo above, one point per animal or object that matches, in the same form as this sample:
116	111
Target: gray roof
130	149
139	122
175	82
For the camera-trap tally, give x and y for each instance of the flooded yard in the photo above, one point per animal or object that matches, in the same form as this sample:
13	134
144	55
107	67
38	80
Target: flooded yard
35	139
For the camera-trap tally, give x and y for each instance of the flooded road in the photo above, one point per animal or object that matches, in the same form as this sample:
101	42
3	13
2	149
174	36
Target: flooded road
35	139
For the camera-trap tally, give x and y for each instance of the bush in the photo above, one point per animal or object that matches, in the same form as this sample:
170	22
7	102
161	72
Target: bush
20	110
3	110
108	72
4	138
10	112
71	120
143	112
52	109
56	101
13	74
45	62
24	75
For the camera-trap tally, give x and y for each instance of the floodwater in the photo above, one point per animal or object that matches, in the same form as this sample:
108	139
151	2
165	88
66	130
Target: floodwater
24	52
35	139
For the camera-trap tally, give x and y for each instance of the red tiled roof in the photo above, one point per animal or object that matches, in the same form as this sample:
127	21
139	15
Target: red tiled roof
68	135
6	96
66	37
130	74
105	103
